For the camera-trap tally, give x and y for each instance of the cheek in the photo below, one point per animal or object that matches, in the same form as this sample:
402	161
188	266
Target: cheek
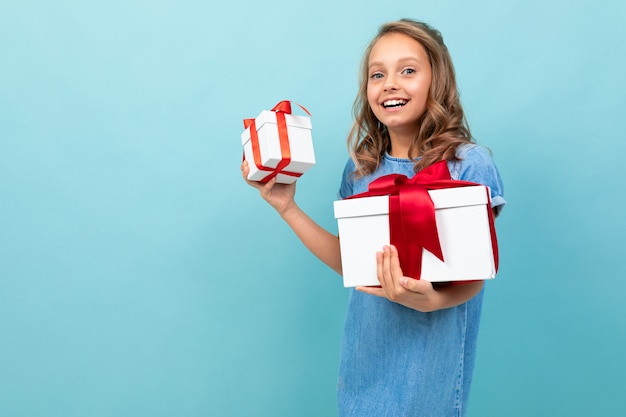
372	97
426	85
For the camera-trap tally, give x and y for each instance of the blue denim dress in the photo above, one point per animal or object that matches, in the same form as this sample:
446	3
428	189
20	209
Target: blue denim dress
398	362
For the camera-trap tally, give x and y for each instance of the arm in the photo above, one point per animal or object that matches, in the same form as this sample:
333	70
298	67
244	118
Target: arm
316	239
416	294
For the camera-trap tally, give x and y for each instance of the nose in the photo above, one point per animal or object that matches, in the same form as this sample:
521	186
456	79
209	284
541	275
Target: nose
390	83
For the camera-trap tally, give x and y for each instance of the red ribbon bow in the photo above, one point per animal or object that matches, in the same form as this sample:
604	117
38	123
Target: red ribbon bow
412	223
282	108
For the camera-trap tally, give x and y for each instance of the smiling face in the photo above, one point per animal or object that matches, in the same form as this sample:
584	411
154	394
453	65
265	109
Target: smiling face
399	79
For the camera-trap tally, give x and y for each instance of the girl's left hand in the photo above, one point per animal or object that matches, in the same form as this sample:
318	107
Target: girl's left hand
413	293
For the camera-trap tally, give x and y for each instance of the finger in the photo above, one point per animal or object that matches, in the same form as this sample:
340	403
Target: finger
379	292
395	271
394	262
245	171
387	278
379	267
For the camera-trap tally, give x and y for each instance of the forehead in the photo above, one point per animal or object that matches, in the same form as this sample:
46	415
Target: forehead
395	46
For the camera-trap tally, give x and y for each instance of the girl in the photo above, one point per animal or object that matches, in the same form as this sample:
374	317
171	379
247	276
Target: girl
408	347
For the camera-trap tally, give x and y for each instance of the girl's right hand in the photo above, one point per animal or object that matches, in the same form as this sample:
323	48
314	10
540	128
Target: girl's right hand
279	196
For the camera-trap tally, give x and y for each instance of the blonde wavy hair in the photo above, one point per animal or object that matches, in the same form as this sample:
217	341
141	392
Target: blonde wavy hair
442	127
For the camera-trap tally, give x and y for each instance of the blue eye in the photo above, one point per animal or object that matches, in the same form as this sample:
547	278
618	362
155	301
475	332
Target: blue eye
376	75
409	71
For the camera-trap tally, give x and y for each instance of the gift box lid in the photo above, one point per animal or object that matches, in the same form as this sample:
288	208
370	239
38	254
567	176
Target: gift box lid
359	207
266	116
444	198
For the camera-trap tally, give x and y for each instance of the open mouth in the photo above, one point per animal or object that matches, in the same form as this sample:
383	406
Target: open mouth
390	104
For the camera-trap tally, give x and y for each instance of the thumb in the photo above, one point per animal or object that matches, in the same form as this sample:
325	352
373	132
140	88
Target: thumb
415	285
266	188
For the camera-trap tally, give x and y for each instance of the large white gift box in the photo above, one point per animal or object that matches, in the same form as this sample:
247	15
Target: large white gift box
463	225
270	153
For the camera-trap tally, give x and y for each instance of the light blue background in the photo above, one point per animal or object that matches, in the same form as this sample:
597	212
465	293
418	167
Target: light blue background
140	276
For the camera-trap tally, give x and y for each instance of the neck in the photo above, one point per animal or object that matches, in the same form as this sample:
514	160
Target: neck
400	144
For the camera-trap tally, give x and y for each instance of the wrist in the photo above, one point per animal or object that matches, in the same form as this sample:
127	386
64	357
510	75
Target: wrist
289	210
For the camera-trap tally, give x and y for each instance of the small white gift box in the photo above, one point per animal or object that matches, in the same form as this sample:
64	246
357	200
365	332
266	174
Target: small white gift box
463	225
270	152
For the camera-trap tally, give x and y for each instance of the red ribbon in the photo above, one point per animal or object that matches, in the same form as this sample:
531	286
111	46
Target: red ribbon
282	108
412	223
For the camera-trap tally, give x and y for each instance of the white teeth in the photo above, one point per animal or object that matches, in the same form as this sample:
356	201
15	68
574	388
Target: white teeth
393	103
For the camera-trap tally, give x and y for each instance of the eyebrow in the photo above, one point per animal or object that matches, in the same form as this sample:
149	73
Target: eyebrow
401	60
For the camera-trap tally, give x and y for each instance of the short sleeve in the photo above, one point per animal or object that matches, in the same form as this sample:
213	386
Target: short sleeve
476	165
347	180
